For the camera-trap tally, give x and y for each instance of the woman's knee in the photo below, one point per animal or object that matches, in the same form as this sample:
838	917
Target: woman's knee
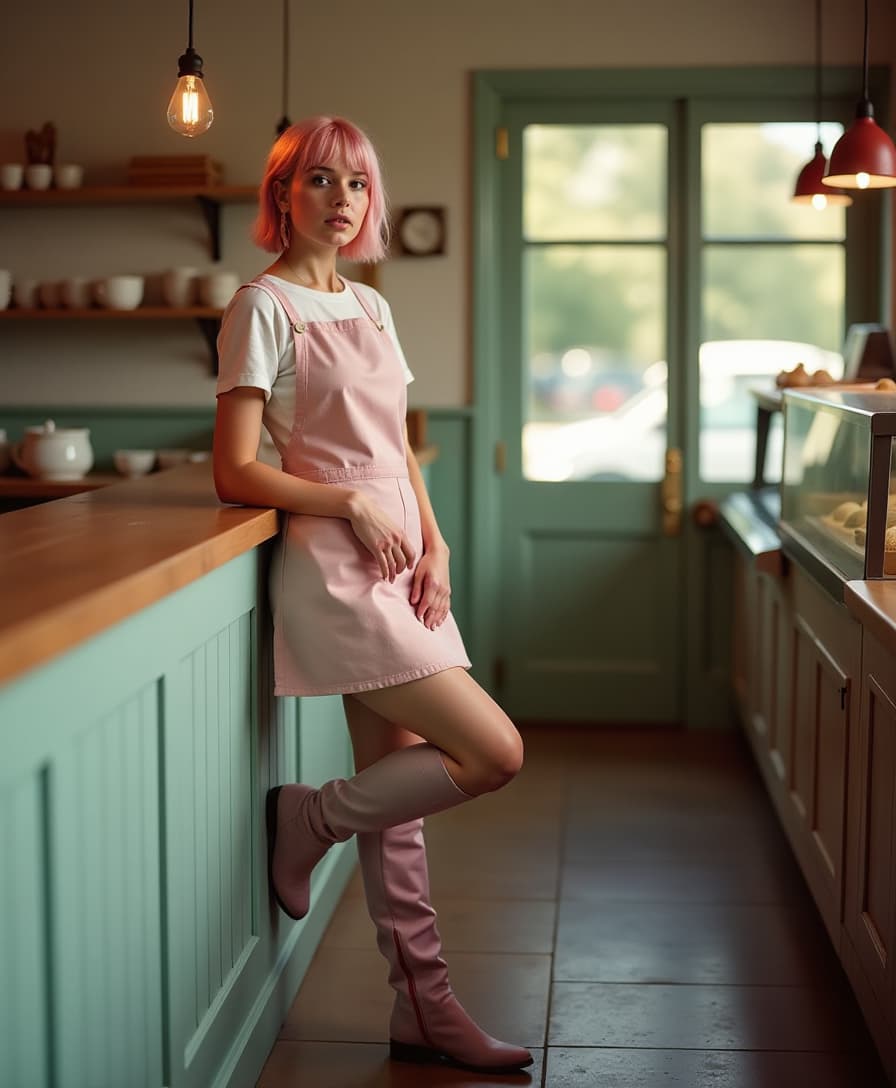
502	762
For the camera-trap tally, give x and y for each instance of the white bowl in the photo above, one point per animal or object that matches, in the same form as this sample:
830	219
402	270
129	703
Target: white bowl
134	462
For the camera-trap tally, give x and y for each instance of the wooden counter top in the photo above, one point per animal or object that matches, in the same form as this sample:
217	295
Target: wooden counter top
27	487
73	567
874	605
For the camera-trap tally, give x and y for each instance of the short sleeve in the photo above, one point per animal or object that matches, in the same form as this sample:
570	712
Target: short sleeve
251	342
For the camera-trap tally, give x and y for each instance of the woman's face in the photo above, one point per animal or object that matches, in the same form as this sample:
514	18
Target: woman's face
327	203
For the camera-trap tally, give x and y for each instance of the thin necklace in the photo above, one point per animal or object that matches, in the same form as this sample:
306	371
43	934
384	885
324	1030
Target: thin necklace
300	278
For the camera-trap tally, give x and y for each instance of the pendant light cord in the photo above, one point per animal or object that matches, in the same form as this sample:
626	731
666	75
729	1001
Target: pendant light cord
190	43
865	58
818	68
285	55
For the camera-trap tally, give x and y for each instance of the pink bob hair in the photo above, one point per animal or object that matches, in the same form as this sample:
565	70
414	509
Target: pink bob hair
318	141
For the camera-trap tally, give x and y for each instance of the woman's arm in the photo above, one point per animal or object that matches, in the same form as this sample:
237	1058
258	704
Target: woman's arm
431	593
241	478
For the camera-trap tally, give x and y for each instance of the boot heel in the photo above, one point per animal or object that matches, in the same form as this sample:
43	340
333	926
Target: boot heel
418	1055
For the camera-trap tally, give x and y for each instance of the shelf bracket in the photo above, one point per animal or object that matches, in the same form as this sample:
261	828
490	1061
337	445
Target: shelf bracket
211	209
211	326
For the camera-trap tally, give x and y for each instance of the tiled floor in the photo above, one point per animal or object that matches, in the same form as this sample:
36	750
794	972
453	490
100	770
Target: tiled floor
629	909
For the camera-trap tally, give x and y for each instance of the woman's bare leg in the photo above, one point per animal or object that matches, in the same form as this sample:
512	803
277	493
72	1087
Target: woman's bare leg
372	735
481	747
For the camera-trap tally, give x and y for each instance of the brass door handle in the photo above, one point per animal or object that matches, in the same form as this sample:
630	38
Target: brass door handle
671	493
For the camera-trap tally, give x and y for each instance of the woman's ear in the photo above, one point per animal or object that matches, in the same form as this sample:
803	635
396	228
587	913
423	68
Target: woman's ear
281	196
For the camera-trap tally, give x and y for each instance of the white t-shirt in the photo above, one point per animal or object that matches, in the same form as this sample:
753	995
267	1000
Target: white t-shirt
256	345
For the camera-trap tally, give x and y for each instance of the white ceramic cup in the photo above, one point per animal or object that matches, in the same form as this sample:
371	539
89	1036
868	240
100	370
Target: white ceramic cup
179	286
24	293
48	294
75	293
38	175
5	287
217	288
11	175
120	292
68	176
134	462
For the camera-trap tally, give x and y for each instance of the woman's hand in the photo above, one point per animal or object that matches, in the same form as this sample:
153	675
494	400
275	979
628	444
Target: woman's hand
380	536
431	593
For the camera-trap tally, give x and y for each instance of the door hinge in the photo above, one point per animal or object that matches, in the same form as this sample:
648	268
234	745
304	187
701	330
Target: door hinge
500	456
502	143
498	672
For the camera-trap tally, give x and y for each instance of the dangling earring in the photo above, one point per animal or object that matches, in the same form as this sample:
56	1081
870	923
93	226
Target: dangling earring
284	229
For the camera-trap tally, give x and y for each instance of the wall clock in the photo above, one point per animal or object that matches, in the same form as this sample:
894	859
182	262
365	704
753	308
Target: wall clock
420	232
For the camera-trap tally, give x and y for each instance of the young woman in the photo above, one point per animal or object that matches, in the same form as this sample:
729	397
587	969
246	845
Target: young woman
359	584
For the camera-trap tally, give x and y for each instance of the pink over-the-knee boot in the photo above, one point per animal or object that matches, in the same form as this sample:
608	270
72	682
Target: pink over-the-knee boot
428	1023
303	823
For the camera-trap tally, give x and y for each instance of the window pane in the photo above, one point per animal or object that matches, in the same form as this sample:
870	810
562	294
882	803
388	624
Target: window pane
584	182
774	292
765	309
749	172
595	387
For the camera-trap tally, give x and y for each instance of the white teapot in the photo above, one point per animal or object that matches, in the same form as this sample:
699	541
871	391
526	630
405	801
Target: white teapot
52	453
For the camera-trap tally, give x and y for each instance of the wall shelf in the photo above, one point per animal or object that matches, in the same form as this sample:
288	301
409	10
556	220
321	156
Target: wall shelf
207	318
209	197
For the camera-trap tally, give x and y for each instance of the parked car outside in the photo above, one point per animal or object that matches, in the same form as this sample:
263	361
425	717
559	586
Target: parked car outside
629	443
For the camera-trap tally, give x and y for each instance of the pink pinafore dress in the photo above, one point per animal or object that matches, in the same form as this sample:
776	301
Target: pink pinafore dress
339	626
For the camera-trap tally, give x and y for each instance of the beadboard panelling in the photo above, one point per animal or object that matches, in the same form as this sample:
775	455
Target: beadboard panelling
24	1024
107	965
215	873
138	927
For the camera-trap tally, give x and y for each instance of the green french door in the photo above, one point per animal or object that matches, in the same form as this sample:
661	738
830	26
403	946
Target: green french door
639	268
591	545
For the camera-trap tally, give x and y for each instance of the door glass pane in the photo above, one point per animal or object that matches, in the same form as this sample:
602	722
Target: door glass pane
749	171
595	388
772	293
589	182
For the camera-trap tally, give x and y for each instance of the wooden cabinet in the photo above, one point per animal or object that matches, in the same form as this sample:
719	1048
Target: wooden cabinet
815	682
870	902
773	659
813	745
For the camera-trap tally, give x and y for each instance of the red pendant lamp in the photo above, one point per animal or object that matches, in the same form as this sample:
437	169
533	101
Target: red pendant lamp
810	188
864	157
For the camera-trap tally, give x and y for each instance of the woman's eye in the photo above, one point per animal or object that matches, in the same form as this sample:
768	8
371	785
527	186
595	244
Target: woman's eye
320	179
358	184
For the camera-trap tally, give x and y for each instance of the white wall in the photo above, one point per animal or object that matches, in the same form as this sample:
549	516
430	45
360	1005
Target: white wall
400	68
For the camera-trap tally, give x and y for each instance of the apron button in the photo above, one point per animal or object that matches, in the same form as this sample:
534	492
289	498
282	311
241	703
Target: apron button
299	326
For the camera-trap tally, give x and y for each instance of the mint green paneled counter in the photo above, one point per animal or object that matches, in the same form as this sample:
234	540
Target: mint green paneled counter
138	943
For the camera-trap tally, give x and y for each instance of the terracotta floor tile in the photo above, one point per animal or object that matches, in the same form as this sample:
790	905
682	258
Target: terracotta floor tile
476	870
693	943
359	1065
466	925
702	1017
605	1068
660	876
346	998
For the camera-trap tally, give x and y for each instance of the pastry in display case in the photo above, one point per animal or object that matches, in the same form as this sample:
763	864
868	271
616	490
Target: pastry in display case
838	488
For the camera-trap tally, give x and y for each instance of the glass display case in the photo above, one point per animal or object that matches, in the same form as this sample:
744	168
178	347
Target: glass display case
838	487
